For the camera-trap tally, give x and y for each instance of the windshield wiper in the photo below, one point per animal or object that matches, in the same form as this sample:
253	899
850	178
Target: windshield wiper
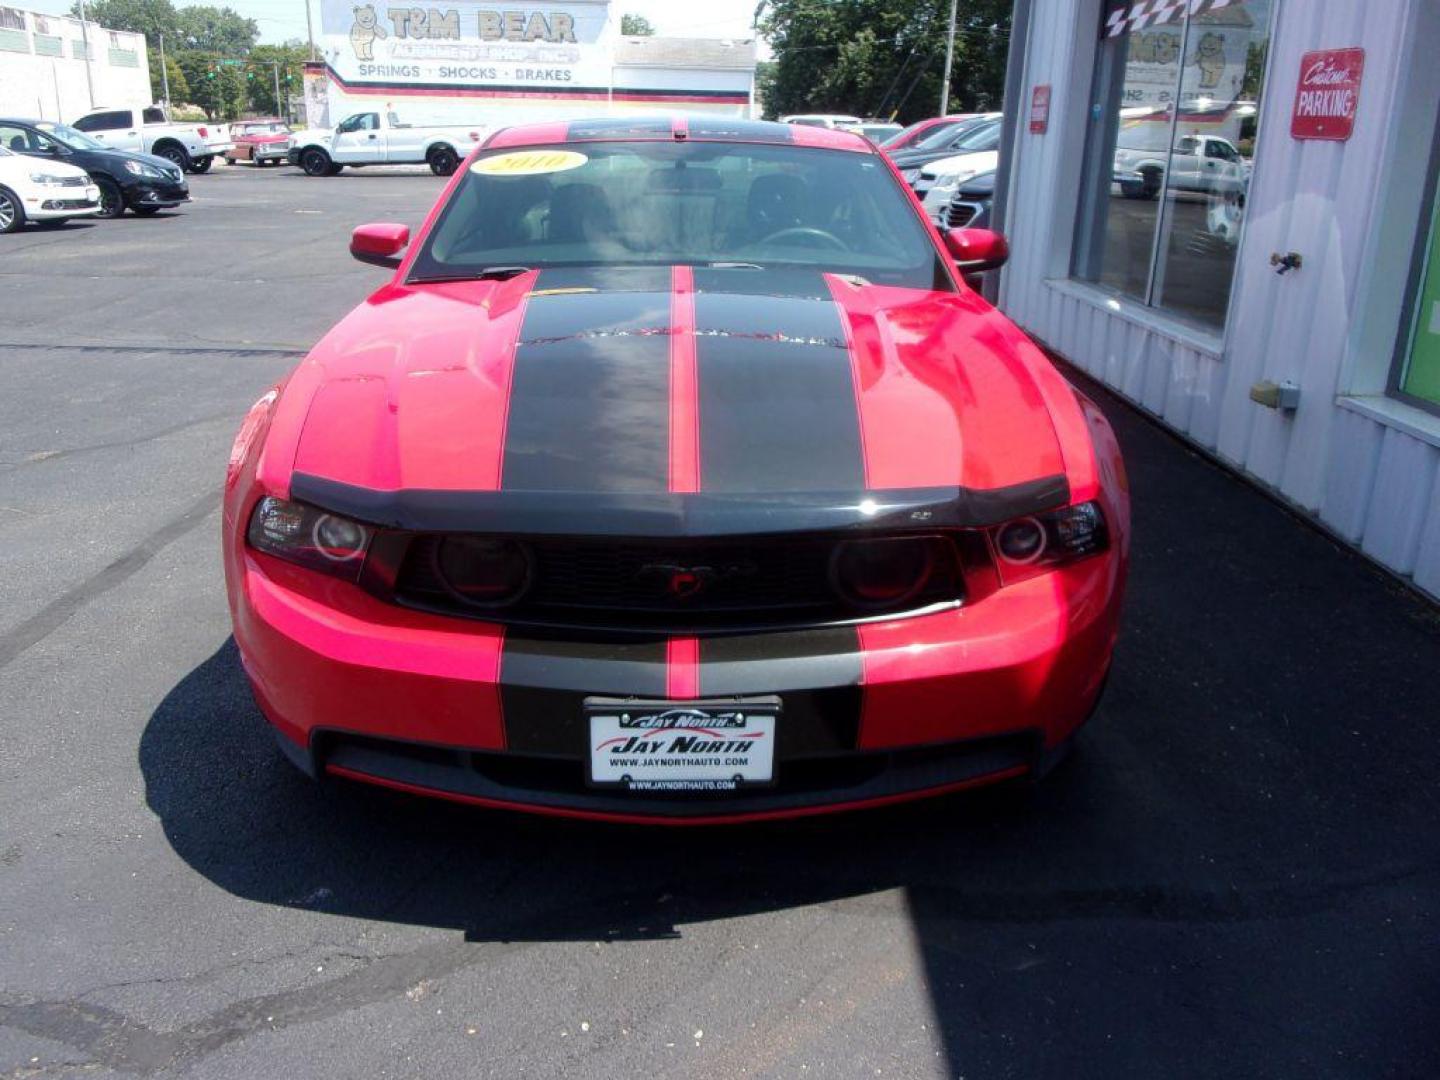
485	273
734	266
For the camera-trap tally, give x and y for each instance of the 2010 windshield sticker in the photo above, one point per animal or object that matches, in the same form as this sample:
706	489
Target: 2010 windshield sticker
529	163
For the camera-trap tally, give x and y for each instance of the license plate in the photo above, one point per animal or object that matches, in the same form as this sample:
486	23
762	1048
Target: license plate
680	746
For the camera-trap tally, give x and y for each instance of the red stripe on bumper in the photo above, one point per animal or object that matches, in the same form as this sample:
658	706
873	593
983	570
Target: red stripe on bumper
682	668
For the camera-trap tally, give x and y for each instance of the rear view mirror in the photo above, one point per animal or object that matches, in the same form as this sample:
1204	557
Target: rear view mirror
977	250
380	244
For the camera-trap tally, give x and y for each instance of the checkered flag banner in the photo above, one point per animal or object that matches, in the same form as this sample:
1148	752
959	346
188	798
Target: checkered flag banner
1127	16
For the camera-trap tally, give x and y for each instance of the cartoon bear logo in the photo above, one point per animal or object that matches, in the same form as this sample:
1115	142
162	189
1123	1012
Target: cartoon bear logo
1210	57
363	34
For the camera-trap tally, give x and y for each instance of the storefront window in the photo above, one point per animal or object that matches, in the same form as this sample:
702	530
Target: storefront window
1418	373
1167	171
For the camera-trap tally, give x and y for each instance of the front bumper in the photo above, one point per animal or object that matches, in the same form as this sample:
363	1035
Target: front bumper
872	714
158	193
63	203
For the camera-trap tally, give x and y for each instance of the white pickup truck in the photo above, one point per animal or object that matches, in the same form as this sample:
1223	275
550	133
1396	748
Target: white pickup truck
380	138
191	147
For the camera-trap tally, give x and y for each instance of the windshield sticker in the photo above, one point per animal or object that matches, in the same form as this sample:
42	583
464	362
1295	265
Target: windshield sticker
529	163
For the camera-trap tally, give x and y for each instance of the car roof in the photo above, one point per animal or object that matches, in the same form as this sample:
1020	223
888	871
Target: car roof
698	128
19	120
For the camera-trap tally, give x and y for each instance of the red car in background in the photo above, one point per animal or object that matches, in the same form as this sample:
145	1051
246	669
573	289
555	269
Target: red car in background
676	474
262	141
921	129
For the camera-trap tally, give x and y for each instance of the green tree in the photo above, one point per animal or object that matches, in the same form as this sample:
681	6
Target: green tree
260	76
179	88
149	17
882	57
636	26
217	85
217	30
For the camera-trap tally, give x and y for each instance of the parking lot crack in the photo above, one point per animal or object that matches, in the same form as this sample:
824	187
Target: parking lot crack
59	611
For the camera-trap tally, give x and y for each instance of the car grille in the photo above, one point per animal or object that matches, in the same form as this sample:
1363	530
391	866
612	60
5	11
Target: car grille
623	585
68	204
959	214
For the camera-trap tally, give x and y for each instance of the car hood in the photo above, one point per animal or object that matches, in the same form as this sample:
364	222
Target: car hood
981	161
682	401
117	158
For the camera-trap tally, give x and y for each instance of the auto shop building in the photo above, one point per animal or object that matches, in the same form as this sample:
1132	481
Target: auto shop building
1226	211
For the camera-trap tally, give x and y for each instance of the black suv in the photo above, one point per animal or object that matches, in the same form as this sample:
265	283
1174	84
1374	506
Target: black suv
142	182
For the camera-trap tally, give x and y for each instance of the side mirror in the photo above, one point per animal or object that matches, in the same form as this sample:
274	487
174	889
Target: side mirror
380	244
977	250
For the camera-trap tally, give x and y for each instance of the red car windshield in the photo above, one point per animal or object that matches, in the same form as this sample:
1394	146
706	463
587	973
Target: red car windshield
668	203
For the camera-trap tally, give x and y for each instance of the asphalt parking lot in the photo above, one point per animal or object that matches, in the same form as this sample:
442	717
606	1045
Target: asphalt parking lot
1237	874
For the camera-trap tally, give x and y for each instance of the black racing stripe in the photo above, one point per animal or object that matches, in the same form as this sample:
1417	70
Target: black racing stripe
606	127
776	398
544	682
778	282
817	674
726	127
608	279
590	394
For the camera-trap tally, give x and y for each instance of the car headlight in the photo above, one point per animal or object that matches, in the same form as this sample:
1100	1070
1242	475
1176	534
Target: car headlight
309	537
1039	542
47	179
139	168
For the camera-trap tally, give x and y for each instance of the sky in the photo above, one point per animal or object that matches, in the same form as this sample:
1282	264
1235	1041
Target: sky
281	20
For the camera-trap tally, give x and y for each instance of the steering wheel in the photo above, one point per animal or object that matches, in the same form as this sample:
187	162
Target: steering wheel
826	239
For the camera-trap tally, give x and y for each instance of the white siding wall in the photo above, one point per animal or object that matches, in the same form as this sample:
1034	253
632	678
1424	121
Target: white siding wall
1331	326
54	87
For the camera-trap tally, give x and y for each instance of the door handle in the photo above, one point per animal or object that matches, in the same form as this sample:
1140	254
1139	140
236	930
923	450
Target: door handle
130	133
372	138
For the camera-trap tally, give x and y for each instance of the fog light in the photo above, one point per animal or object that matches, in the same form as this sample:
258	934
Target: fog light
482	571
884	572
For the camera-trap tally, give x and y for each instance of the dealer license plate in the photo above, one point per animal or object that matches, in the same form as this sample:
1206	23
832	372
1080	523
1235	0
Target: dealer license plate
682	746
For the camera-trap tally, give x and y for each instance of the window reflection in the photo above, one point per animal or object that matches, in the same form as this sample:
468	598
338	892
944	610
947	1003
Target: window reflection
1168	162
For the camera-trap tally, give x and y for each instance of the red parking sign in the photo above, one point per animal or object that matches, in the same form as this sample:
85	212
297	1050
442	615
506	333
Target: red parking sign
1328	94
1040	109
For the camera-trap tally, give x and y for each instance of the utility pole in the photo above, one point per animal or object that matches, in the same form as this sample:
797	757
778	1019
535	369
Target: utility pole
310	29
85	37
164	74
949	59
286	113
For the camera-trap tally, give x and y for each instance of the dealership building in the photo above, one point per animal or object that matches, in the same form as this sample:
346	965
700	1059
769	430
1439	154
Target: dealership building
54	68
1225	210
486	64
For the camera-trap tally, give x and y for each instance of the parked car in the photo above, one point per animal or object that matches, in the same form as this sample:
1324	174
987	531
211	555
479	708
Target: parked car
940	180
140	182
585	568
825	120
1198	163
189	147
877	131
381	138
971	205
263	142
47	193
976	134
908	137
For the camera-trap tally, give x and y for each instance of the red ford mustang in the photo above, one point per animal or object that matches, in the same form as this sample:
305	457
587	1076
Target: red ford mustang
676	475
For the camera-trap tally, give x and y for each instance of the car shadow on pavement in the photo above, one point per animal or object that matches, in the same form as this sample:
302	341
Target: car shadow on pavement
1239	870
